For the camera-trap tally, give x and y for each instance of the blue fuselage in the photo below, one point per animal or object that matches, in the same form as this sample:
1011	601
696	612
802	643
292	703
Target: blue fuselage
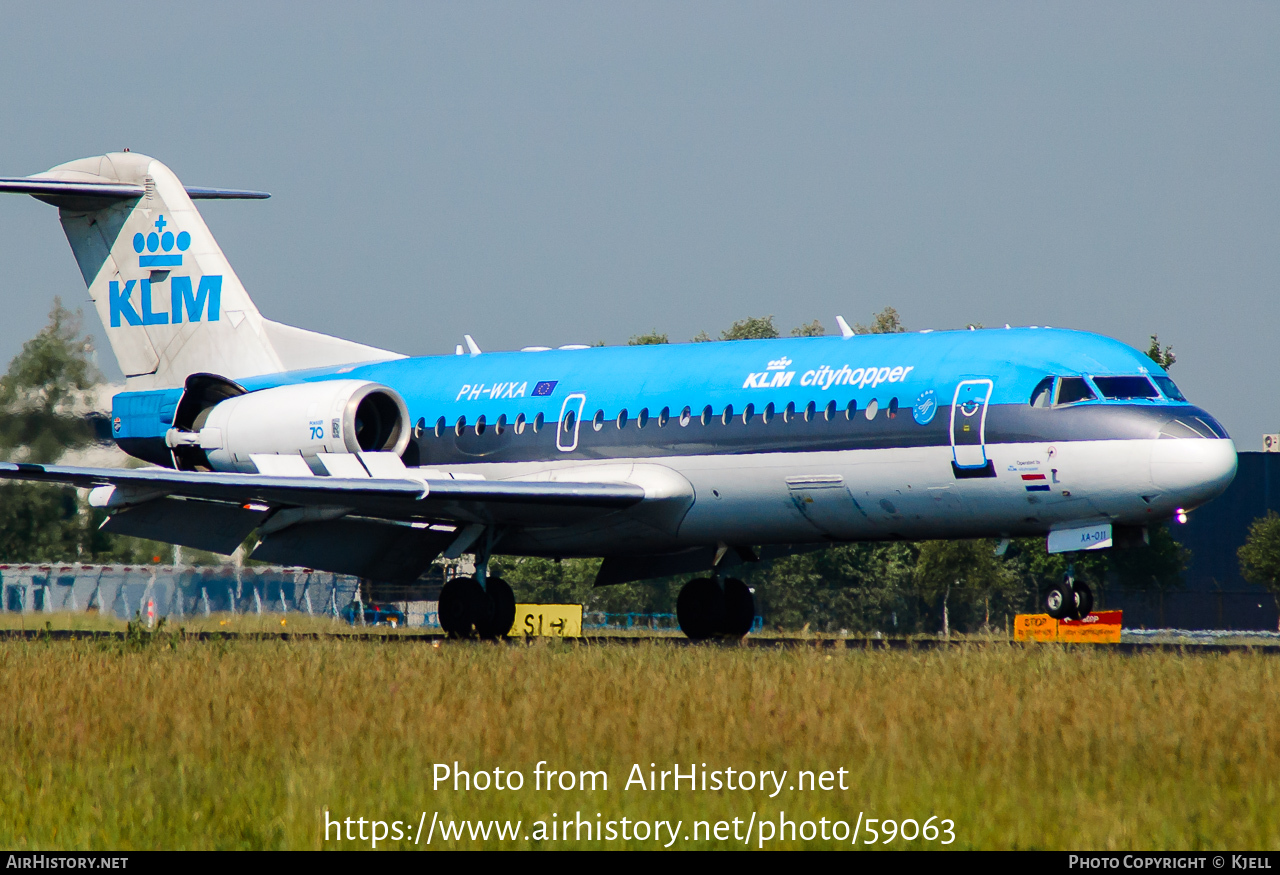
932	434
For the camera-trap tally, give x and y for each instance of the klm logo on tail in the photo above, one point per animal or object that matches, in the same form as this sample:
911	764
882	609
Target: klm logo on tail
163	249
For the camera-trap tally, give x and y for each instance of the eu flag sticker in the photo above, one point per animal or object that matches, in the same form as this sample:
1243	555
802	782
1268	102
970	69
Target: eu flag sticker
544	388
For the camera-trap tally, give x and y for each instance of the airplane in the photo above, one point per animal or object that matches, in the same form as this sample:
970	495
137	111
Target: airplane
663	460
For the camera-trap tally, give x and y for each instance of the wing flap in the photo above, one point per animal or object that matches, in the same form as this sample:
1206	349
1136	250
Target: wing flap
378	551
203	525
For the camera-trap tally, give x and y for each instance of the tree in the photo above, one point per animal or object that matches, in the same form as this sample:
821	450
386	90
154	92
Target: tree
1260	555
862	587
572	580
961	583
809	329
1163	357
44	397
652	338
47	390
751	328
886	321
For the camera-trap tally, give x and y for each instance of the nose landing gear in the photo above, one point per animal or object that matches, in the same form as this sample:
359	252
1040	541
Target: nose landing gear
1069	600
708	607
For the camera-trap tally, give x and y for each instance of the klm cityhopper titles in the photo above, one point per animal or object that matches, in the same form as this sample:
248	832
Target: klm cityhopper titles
690	458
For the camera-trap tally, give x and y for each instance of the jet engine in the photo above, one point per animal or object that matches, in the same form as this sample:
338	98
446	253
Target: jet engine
305	419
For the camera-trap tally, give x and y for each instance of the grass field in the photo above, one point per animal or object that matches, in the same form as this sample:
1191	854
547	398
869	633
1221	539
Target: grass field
246	744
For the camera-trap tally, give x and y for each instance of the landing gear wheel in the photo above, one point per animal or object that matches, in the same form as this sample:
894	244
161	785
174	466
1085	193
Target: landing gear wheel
465	609
739	609
503	601
1083	600
700	608
1060	601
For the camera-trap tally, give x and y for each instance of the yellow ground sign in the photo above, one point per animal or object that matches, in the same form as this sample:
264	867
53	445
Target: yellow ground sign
1102	627
554	621
1035	627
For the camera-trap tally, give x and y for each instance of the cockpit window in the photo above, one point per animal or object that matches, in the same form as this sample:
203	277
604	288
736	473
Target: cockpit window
1169	389
1042	395
1073	389
1123	388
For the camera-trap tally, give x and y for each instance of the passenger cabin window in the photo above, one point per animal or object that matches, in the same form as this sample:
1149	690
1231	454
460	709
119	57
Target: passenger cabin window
622	419
1042	395
707	413
727	416
685	416
830	412
597	422
1170	390
1073	389
1125	388
537	423
519	426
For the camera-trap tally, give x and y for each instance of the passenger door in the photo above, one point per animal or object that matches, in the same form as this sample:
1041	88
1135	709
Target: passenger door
570	422
969	423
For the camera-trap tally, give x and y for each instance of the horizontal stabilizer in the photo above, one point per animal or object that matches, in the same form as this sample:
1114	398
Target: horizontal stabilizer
54	187
36	187
196	193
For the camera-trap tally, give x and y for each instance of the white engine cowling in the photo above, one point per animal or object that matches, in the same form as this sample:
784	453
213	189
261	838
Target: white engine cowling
306	419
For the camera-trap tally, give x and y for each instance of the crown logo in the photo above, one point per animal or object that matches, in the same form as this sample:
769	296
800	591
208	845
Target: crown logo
778	364
157	248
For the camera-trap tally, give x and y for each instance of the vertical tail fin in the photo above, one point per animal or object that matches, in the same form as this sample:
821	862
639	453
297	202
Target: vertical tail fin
169	301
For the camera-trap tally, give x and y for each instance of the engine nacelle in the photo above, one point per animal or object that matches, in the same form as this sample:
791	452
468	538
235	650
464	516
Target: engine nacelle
331	416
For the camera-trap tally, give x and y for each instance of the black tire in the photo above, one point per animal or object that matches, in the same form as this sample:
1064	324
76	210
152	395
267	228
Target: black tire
700	608
464	608
503	601
1060	601
1084	600
739	609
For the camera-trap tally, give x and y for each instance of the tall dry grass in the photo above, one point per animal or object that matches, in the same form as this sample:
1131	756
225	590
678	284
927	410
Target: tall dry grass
246	744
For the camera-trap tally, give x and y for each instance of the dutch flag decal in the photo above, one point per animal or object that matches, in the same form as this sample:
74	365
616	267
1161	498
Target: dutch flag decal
1035	483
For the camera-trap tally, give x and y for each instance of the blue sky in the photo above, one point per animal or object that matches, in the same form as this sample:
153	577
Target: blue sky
550	173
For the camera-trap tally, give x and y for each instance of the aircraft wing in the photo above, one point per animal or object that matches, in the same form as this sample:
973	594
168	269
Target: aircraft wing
514	502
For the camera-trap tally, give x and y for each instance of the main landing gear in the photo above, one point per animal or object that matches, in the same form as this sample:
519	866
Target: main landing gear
478	607
1069	600
469	610
709	607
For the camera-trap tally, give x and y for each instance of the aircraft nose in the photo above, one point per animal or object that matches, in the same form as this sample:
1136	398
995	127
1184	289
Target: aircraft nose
1193	471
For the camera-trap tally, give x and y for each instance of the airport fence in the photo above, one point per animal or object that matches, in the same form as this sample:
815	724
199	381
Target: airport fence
641	622
174	592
